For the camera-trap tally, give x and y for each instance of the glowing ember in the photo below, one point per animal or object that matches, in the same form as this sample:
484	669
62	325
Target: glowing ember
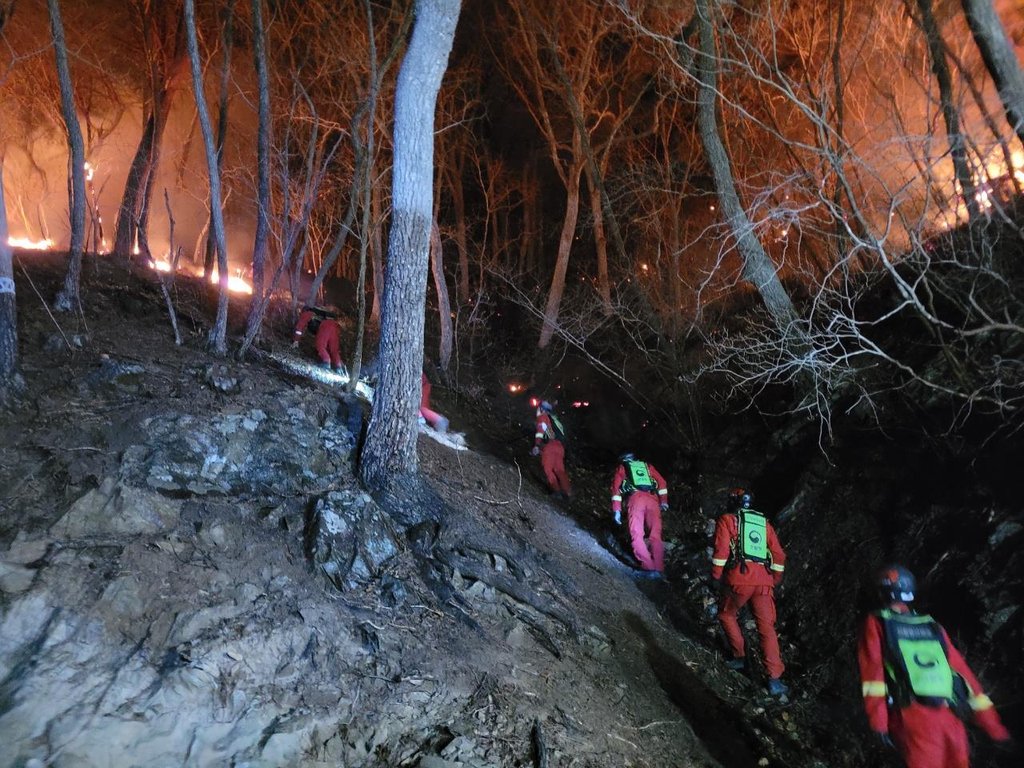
30	245
161	266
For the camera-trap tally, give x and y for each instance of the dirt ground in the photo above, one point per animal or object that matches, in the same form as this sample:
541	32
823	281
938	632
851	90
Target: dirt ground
595	666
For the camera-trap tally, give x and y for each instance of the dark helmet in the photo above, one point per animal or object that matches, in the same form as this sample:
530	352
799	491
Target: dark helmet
740	497
627	456
896	584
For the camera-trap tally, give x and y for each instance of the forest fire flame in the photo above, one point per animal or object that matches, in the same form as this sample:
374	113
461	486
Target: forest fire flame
236	283
30	245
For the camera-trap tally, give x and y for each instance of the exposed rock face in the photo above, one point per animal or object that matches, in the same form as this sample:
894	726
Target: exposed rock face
289	451
350	539
124	642
115	508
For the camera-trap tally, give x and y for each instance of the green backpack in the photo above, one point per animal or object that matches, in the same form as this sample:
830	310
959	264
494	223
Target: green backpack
753	536
638	478
916	659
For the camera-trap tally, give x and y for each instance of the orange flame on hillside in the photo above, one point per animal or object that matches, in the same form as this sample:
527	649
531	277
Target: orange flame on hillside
30	245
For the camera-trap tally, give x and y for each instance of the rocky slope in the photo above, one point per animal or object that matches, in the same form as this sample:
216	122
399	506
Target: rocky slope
190	574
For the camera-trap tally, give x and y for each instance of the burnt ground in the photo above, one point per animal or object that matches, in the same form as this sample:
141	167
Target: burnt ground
550	649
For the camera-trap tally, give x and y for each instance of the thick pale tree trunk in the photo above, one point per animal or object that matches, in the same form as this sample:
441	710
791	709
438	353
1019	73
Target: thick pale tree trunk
557	288
68	298
1000	59
758	268
950	113
10	380
227	40
218	333
444	304
389	456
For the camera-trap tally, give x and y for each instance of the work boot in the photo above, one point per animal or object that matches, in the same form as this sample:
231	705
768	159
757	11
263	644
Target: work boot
737	664
777	688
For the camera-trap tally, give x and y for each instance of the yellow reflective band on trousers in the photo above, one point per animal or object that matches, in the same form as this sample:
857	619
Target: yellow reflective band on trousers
873	688
981	702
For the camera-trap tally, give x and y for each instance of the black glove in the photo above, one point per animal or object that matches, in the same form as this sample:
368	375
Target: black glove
1006	746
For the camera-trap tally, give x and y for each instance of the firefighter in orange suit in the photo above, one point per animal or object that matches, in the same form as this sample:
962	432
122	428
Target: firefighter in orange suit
914	681
647	498
328	334
432	417
748	553
548	443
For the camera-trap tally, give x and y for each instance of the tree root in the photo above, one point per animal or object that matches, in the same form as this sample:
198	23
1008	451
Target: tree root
502	583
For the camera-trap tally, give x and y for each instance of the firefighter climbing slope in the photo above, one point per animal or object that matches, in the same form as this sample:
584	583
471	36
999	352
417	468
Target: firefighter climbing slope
748	553
646	498
324	323
549	444
915	682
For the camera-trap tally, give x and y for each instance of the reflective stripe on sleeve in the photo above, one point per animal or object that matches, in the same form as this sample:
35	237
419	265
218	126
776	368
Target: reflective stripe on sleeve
538	436
777	567
980	702
616	498
716	561
663	491
872	688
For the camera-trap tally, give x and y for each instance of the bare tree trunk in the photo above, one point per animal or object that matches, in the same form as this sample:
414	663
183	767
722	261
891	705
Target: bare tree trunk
389	456
444	305
604	289
127	214
10	379
367	148
1000	59
376	255
68	298
459	211
166	59
167	278
362	151
531	225
950	114
218	333
259	249
557	288
758	268
227	41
